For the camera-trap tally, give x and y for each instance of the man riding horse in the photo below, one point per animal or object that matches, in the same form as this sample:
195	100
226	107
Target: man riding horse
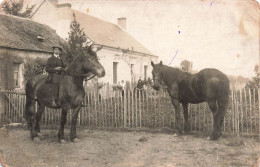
54	67
55	64
68	91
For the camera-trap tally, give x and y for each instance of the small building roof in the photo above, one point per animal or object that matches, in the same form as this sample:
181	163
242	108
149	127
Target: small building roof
21	33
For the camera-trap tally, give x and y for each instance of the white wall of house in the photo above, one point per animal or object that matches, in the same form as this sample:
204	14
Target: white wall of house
57	18
124	61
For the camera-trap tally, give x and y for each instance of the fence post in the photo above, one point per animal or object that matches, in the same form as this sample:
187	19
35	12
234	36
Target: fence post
237	114
250	110
259	112
242	111
125	107
254	105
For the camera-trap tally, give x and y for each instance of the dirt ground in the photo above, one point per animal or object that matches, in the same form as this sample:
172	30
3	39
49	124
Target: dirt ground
126	148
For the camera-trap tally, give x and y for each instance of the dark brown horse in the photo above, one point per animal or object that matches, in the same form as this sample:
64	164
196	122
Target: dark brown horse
69	93
209	85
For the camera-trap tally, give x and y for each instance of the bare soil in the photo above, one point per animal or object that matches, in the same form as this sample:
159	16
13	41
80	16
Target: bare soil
126	148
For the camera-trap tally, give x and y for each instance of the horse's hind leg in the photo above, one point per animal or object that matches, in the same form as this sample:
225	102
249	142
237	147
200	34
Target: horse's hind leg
38	118
62	123
218	117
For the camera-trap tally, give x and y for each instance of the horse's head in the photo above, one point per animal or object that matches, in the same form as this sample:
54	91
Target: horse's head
83	65
157	74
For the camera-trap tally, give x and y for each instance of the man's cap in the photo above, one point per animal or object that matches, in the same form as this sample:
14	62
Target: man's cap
56	46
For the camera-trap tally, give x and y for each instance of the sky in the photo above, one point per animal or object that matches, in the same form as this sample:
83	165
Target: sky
211	33
222	34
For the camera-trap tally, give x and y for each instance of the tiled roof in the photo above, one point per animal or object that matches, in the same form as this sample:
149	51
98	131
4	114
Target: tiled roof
108	34
22	33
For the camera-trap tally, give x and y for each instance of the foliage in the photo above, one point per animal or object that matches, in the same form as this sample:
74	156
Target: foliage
15	8
186	66
77	41
34	67
254	83
239	78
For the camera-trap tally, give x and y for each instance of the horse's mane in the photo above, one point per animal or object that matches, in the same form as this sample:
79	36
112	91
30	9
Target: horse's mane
171	74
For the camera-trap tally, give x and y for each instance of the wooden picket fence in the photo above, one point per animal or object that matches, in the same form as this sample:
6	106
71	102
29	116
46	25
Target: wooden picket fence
142	109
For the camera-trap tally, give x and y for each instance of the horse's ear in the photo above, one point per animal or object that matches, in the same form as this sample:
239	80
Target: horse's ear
161	62
95	48
152	63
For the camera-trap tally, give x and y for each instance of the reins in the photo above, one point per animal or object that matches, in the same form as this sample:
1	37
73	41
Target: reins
91	77
79	75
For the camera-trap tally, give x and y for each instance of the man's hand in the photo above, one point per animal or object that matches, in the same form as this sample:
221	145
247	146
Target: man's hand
58	68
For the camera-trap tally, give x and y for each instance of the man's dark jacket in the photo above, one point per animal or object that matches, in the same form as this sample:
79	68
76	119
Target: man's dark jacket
53	62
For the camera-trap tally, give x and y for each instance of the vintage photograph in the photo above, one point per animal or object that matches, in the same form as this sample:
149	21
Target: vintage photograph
129	83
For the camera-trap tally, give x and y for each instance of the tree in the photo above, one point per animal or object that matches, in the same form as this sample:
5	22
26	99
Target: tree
34	67
186	66
254	83
15	7
78	42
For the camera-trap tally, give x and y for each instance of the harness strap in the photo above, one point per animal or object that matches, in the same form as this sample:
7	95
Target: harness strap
79	75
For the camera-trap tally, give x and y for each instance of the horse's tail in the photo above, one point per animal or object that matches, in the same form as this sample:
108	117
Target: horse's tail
223	95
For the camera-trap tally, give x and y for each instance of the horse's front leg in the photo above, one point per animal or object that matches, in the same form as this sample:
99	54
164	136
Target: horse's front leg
38	118
185	113
176	105
73	134
63	121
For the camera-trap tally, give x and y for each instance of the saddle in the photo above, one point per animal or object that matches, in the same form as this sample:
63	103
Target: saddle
51	85
53	78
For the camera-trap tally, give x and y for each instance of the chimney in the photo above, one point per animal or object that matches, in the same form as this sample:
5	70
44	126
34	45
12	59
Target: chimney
122	22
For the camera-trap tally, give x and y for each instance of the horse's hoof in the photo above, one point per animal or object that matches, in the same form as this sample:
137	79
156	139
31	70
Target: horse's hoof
176	134
62	141
36	139
212	138
75	140
39	135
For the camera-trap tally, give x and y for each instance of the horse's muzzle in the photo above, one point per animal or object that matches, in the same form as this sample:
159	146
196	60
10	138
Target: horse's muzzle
100	72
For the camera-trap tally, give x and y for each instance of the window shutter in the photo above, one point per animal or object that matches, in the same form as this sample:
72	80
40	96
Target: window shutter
10	74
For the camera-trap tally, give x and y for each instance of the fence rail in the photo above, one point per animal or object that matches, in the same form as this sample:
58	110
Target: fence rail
143	109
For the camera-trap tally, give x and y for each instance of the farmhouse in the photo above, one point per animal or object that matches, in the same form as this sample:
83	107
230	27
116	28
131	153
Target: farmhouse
122	56
21	41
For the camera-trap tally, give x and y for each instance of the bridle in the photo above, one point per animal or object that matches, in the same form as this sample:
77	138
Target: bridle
159	79
80	75
90	77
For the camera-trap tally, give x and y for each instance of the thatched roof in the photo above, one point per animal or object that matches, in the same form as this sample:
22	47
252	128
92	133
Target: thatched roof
20	33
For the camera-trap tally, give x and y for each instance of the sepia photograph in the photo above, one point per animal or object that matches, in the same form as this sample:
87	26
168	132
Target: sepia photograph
129	83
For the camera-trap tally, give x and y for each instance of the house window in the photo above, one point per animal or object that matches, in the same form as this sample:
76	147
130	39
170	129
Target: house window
115	72
16	74
145	72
